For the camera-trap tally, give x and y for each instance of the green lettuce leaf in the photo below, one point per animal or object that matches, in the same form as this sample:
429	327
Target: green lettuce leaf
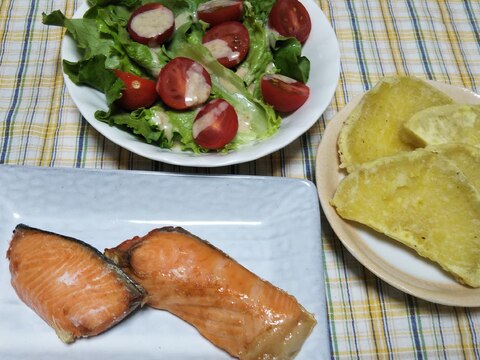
261	9
127	3
156	126
84	32
261	118
179	6
260	57
288	59
104	44
140	122
92	72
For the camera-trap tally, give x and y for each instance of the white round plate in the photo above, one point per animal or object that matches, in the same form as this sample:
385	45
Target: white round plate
390	260
321	49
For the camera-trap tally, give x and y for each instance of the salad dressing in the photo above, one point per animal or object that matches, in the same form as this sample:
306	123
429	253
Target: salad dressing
208	119
153	22
163	123
220	49
182	19
283	78
227	85
218	3
155	64
257	120
244	123
197	89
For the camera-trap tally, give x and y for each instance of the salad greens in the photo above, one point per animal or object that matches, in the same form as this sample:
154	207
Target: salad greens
104	45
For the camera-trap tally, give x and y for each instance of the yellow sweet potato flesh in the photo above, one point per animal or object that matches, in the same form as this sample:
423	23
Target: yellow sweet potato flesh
372	130
465	157
423	200
454	123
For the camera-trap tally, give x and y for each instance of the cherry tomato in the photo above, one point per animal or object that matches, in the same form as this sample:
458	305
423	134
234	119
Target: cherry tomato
283	93
290	18
151	24
139	92
228	42
217	11
183	84
215	125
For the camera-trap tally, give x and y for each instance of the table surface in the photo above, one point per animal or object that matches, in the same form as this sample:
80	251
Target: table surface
438	40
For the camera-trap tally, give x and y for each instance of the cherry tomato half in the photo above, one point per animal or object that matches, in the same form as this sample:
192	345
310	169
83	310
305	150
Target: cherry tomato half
228	42
151	24
290	18
215	125
283	93
217	11
139	92
183	84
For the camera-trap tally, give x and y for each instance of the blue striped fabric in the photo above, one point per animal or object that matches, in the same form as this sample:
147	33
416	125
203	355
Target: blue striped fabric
432	39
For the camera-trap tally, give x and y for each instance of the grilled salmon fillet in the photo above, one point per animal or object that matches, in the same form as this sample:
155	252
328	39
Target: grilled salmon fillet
69	284
229	305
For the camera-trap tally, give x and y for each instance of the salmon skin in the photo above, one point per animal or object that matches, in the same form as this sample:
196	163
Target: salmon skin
70	284
229	305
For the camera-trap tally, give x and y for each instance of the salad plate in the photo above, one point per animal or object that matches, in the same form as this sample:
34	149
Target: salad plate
324	75
390	260
269	225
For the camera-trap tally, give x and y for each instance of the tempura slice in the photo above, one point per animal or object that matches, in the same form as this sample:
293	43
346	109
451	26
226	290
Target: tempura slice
454	123
372	130
422	200
465	157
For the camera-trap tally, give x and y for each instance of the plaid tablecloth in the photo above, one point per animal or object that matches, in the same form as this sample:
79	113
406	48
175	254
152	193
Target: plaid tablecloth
439	40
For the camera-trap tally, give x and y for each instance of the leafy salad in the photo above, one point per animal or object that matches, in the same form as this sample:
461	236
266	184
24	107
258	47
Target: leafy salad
106	48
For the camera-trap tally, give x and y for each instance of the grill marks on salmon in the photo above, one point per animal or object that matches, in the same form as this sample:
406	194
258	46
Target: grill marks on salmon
229	305
69	284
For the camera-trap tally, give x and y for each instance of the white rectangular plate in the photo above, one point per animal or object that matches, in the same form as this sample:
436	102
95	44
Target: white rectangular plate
269	225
